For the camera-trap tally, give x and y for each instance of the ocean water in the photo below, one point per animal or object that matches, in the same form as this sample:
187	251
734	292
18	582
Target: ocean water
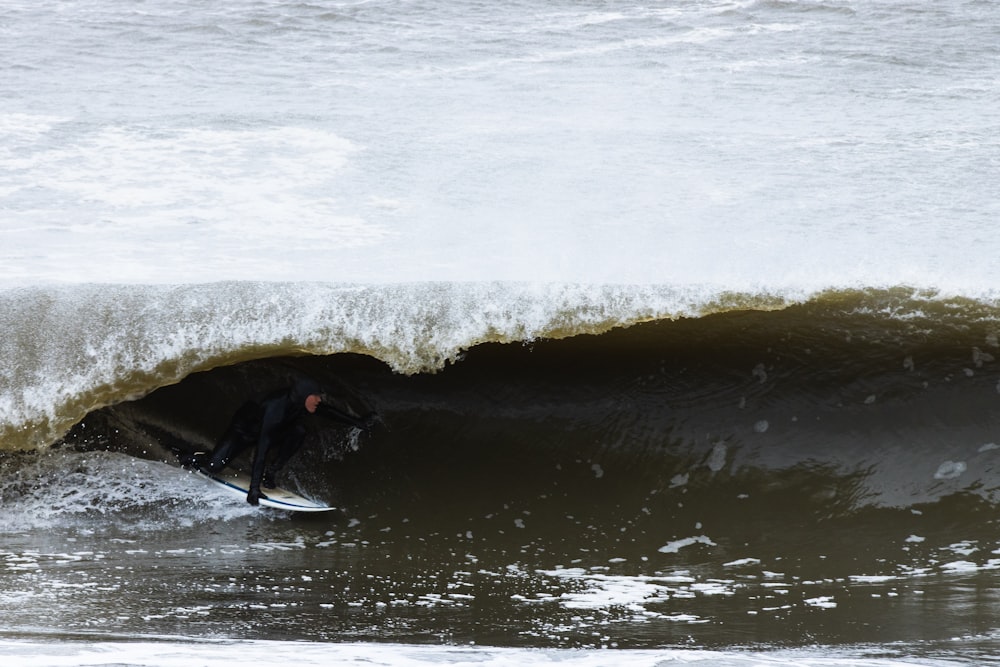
682	319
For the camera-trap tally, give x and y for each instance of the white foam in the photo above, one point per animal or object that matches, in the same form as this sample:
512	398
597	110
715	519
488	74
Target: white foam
962	548
677	545
173	652
823	602
872	578
717	459
960	566
950	470
67	488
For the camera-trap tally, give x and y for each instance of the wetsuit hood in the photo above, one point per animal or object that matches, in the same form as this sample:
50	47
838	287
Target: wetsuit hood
304	387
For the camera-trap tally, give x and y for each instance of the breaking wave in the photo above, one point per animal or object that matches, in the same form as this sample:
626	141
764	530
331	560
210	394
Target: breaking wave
866	397
73	349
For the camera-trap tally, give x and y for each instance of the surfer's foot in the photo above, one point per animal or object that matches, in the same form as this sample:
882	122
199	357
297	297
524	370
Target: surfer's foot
193	460
255	496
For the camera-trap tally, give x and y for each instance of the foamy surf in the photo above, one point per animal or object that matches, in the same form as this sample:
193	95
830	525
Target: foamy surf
170	652
92	491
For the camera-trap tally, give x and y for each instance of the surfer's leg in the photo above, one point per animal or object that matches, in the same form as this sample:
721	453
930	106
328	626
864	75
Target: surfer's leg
290	443
242	433
257	471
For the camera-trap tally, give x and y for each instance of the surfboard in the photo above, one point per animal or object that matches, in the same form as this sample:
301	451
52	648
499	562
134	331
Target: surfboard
282	499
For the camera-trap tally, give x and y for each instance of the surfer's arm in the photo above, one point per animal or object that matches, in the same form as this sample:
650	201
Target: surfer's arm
364	423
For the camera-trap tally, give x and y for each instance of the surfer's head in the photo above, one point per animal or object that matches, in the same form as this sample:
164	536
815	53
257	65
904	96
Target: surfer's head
307	392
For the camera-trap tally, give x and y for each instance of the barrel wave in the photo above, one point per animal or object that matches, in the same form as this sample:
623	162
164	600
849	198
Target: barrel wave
886	397
76	348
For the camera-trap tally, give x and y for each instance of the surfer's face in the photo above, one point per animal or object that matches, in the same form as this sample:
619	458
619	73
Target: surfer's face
312	401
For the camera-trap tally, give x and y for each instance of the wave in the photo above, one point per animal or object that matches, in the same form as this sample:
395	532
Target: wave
70	350
885	397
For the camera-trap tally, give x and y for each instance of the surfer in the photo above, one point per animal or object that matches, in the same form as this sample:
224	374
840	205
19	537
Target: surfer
274	425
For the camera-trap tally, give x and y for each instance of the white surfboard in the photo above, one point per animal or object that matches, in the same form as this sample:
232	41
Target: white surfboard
282	499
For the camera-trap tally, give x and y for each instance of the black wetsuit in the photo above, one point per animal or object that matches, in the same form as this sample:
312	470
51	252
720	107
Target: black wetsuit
274	425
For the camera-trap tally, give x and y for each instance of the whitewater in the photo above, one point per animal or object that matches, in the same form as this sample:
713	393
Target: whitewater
735	262
742	145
